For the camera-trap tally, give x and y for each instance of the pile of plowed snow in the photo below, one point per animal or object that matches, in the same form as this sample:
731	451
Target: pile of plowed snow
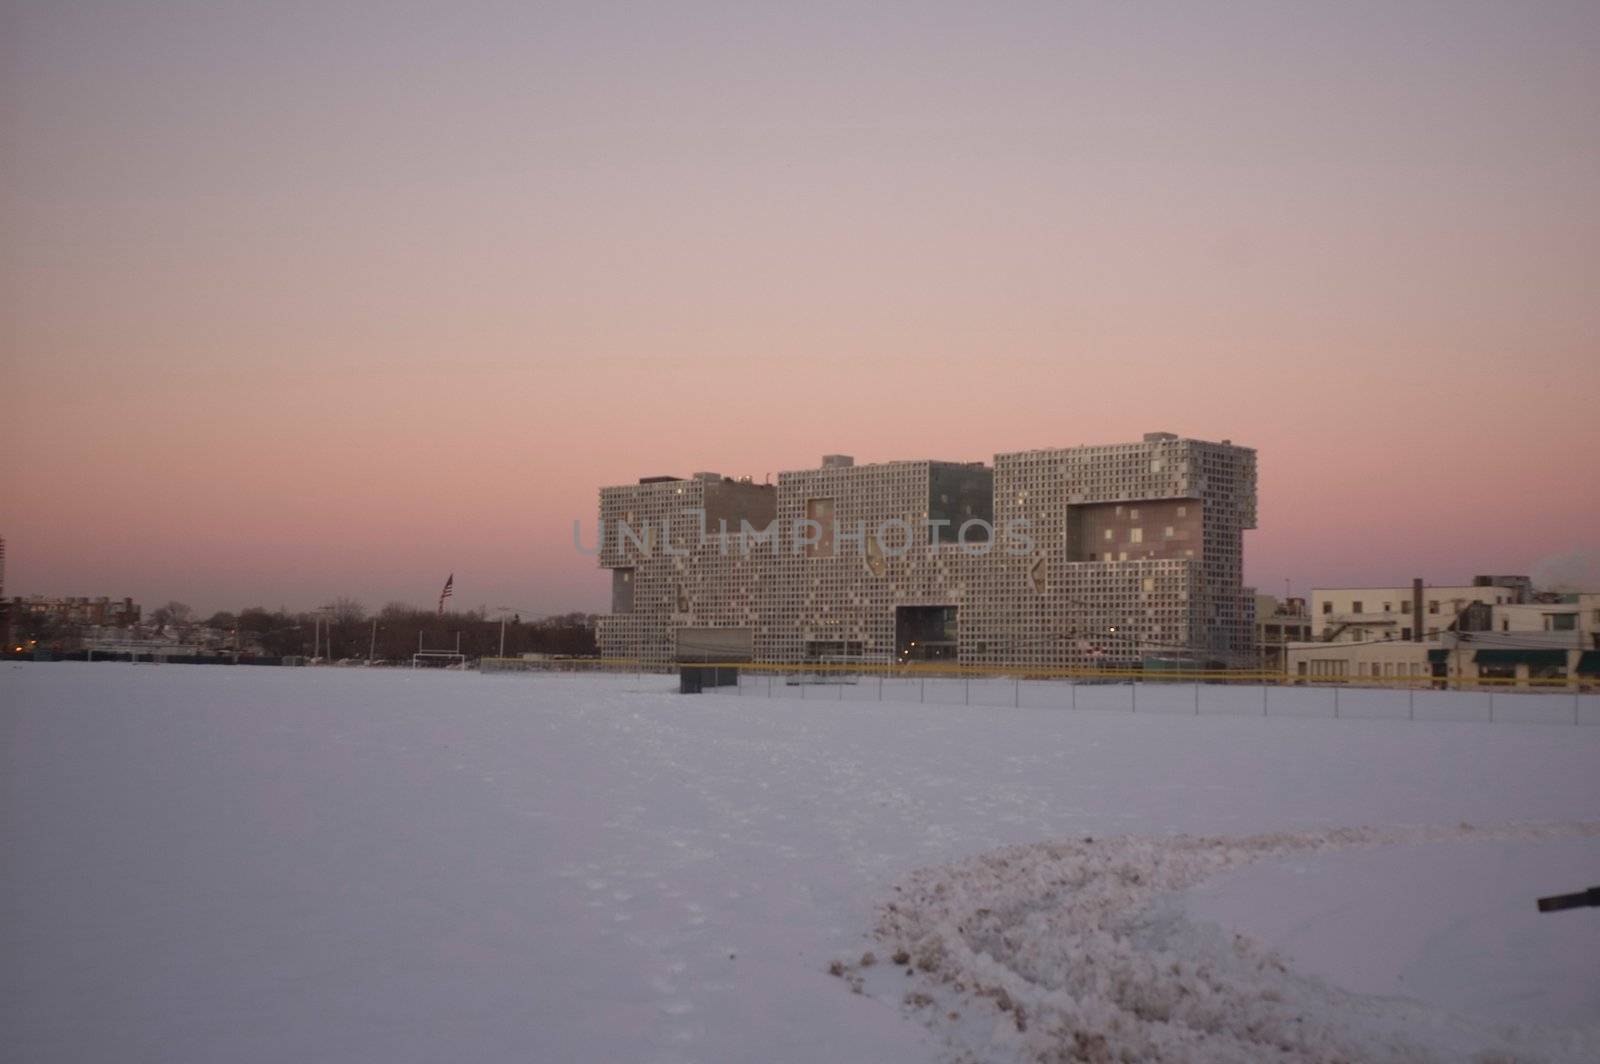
1063	952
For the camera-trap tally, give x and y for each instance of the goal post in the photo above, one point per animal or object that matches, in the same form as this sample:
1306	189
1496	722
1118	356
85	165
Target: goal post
438	659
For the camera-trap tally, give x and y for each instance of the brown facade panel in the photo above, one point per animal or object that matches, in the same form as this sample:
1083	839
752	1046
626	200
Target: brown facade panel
1138	530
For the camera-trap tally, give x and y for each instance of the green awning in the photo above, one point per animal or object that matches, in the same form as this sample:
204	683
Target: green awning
1556	659
1438	657
1589	663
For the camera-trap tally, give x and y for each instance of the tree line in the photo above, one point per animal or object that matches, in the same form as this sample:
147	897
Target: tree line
394	633
345	629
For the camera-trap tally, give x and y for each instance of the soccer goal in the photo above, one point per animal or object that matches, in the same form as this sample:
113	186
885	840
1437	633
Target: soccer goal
438	659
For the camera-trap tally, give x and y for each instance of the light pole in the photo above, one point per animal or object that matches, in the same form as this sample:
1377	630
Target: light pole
328	627
503	611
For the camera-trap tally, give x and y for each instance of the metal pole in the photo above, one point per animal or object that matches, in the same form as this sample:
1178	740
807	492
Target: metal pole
372	644
966	691
1335	701
880	687
1265	687
1411	702
502	635
1491	705
1133	692
1197	698
1016	693
1073	686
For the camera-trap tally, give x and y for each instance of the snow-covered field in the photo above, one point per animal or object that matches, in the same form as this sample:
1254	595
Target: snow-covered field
256	864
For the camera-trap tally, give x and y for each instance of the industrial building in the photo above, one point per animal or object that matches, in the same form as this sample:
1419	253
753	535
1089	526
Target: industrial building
1497	629
1123	554
1279	622
1361	614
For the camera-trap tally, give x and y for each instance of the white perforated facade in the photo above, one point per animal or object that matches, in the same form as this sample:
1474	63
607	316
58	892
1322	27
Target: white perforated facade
1136	553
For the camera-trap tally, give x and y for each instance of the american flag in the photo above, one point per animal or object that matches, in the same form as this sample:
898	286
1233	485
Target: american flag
449	589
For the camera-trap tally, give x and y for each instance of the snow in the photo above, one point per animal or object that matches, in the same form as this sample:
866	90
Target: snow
255	864
1078	950
1453	926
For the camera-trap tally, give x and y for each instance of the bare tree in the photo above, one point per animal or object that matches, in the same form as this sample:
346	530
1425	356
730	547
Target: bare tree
173	613
348	611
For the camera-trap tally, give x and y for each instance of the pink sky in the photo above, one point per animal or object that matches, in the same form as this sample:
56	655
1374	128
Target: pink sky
337	299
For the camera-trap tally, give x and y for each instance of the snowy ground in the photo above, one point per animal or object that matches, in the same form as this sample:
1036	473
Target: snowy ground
255	864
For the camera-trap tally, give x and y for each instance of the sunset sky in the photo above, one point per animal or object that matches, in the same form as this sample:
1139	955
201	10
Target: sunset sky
304	300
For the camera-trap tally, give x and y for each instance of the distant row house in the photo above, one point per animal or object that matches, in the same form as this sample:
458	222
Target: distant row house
117	613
